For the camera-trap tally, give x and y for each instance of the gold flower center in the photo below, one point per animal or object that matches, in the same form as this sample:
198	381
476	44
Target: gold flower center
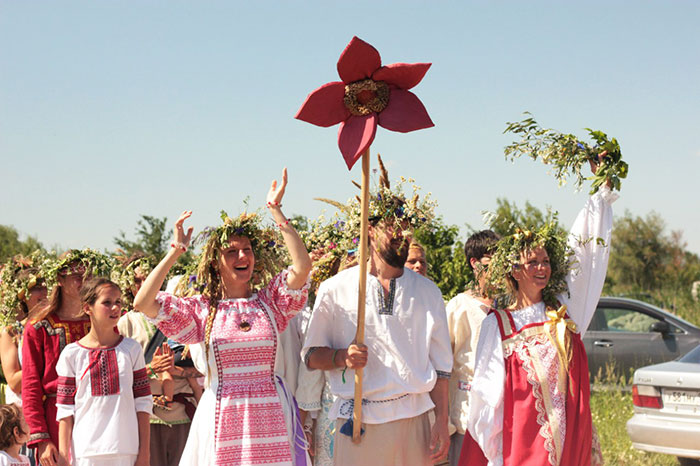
366	96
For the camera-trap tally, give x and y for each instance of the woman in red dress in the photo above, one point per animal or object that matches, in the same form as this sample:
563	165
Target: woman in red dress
530	396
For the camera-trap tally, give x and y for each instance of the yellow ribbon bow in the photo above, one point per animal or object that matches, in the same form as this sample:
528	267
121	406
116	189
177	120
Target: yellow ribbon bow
556	330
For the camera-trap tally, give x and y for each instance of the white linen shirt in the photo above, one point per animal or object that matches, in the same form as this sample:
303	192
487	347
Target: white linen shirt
585	282
406	348
103	425
464	316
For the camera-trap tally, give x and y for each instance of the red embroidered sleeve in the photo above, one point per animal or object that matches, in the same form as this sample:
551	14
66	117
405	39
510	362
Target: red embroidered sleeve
141	385
182	319
284	302
65	395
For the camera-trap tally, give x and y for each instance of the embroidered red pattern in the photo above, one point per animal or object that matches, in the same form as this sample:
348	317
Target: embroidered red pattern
65	393
104	372
141	385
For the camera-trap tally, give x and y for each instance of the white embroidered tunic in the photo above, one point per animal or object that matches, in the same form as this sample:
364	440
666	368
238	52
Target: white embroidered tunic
408	344
585	284
103	389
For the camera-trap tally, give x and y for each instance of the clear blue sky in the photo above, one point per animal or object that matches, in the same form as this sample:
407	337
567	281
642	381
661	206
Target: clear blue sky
113	109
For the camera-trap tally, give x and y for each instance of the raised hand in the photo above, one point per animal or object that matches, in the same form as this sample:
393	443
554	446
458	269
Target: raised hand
181	239
276	193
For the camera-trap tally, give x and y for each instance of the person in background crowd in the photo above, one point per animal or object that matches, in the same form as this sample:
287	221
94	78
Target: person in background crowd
464	315
14	432
170	423
416	260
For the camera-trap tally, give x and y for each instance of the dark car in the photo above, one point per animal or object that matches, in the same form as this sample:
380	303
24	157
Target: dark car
630	334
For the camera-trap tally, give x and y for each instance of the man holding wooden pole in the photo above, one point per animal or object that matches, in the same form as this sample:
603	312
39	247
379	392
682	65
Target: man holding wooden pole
406	358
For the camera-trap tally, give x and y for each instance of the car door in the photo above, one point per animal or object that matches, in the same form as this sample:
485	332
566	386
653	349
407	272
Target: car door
623	338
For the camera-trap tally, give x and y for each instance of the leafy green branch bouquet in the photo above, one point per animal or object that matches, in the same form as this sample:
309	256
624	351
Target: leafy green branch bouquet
567	154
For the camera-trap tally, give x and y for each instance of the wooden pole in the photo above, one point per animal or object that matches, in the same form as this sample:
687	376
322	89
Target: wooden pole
360	334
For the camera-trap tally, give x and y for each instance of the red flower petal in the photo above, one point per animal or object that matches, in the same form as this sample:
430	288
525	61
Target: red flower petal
358	61
324	106
402	75
355	136
404	113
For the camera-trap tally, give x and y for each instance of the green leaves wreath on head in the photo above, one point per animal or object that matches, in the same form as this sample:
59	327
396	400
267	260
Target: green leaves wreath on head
17	278
93	262
507	255
266	242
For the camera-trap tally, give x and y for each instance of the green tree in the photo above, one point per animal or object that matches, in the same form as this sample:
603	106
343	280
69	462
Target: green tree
11	245
153	237
640	253
508	215
447	265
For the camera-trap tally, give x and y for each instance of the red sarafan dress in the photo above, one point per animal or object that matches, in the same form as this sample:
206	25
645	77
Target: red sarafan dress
546	412
41	346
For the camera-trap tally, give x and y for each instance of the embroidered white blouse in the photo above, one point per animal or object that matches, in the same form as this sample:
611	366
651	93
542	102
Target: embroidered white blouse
585	284
103	389
408	346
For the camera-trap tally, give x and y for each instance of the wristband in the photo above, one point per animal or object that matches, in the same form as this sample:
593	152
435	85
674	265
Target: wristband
286	222
180	246
333	360
270	205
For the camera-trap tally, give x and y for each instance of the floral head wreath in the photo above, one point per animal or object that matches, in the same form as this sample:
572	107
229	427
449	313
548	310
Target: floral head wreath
270	255
507	252
16	286
330	245
124	274
341	236
84	261
393	206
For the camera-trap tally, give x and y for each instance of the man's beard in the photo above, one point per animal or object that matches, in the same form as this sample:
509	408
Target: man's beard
394	256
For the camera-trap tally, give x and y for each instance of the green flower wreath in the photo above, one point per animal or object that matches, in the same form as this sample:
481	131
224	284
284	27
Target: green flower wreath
94	262
507	255
341	236
268	248
15	287
124	274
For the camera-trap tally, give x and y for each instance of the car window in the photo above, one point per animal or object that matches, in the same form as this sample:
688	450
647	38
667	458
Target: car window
627	320
693	356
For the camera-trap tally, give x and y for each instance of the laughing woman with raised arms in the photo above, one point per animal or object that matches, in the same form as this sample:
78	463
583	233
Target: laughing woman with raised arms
245	416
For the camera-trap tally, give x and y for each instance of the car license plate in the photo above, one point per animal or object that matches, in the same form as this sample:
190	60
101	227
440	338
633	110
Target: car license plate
680	397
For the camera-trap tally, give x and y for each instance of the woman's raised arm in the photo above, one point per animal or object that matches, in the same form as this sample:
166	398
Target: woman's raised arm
145	300
301	262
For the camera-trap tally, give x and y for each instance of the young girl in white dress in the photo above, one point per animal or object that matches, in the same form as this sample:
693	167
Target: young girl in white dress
14	432
104	398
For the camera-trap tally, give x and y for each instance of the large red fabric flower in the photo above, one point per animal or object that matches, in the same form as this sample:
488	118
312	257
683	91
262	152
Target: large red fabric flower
369	94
